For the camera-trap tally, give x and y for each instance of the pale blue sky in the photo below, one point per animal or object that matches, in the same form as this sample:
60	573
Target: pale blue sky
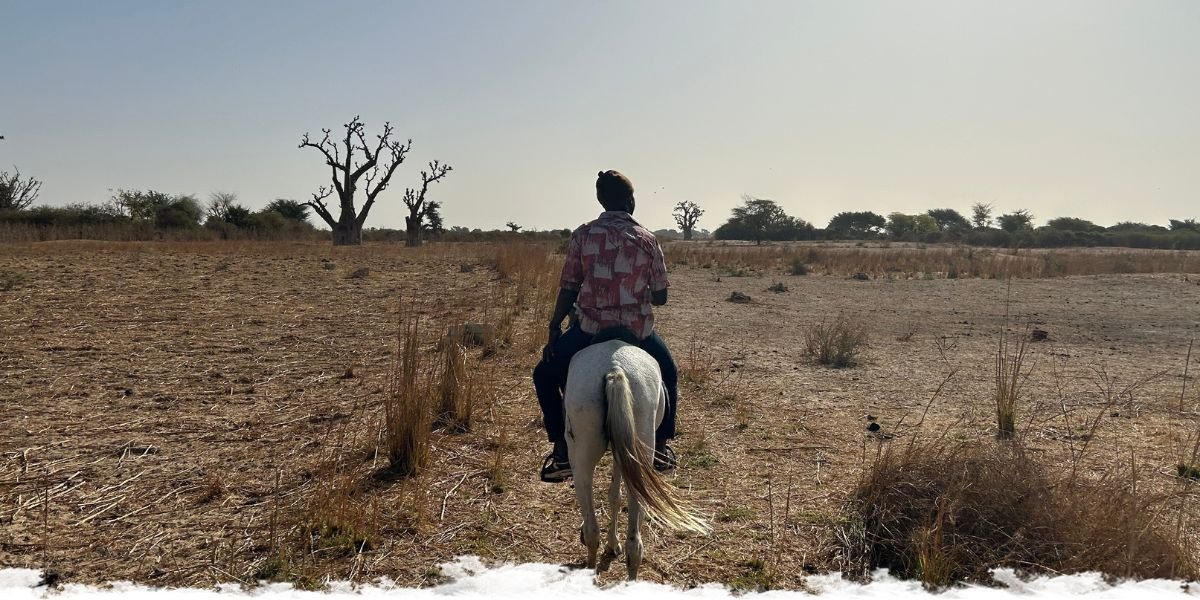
1082	108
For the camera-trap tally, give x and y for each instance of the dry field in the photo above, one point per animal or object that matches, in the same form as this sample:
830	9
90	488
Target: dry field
188	413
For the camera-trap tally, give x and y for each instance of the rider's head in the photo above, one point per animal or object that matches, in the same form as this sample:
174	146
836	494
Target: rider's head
614	191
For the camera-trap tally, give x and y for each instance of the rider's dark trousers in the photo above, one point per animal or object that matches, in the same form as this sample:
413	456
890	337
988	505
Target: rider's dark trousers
550	378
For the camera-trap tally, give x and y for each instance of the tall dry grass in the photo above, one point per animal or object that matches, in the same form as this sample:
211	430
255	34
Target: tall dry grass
1010	375
454	390
531	268
531	273
408	413
949	262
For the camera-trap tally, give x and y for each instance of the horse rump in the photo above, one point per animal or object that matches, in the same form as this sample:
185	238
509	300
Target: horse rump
634	460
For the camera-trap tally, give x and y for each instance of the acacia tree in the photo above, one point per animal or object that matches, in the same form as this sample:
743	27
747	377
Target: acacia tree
686	215
856	224
1016	220
981	215
375	166
17	193
758	215
949	219
290	209
418	209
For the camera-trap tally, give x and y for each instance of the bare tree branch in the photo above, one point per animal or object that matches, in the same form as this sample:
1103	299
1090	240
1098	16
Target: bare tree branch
318	204
17	193
329	158
398	153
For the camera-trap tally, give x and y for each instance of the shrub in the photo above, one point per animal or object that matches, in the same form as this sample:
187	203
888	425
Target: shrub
798	267
944	512
11	280
835	344
288	209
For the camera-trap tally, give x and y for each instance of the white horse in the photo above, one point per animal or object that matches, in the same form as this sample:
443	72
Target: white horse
615	394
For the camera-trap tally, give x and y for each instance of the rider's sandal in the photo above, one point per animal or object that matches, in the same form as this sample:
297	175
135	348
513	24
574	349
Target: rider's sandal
554	471
664	459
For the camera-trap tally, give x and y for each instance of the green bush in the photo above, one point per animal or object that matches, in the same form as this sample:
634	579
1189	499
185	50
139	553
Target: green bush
11	280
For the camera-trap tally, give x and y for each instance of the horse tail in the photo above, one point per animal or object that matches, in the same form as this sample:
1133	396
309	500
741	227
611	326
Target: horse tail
635	461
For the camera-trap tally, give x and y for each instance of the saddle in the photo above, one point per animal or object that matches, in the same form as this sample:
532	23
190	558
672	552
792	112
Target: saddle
618	332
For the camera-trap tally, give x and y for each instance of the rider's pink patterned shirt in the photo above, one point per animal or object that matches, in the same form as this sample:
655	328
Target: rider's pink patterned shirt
614	263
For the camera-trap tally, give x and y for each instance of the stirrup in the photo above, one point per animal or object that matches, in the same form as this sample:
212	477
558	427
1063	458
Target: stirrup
554	471
665	460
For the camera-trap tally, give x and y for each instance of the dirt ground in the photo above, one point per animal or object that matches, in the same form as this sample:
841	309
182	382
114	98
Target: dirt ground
170	412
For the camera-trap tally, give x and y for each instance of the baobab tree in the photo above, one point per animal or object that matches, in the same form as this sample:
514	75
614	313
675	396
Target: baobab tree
418	208
17	193
351	160
687	214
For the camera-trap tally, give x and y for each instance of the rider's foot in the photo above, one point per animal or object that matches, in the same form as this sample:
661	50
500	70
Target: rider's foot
664	457
557	467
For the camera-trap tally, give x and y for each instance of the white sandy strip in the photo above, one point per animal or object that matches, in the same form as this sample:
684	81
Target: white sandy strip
472	579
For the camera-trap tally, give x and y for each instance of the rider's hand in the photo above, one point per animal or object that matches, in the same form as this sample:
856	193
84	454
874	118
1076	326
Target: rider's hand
548	351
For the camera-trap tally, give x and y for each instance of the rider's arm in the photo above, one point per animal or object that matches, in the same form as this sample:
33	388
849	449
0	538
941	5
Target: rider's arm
562	307
570	282
658	277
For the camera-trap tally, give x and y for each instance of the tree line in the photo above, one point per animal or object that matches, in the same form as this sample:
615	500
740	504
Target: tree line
359	170
363	170
760	220
154	211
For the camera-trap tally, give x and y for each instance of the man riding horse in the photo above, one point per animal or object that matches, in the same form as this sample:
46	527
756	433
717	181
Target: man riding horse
614	272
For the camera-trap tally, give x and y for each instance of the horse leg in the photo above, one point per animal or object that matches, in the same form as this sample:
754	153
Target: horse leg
614	509
633	539
585	455
590	530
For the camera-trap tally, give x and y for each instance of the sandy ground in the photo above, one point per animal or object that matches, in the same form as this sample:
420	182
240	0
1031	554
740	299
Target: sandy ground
169	413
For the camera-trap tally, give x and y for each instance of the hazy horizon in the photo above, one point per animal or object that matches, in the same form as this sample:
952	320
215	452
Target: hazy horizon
1072	108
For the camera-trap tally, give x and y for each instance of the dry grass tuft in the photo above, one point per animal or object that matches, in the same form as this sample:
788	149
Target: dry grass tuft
698	363
455	391
836	344
498	471
407	414
1010	376
944	512
212	488
343	520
